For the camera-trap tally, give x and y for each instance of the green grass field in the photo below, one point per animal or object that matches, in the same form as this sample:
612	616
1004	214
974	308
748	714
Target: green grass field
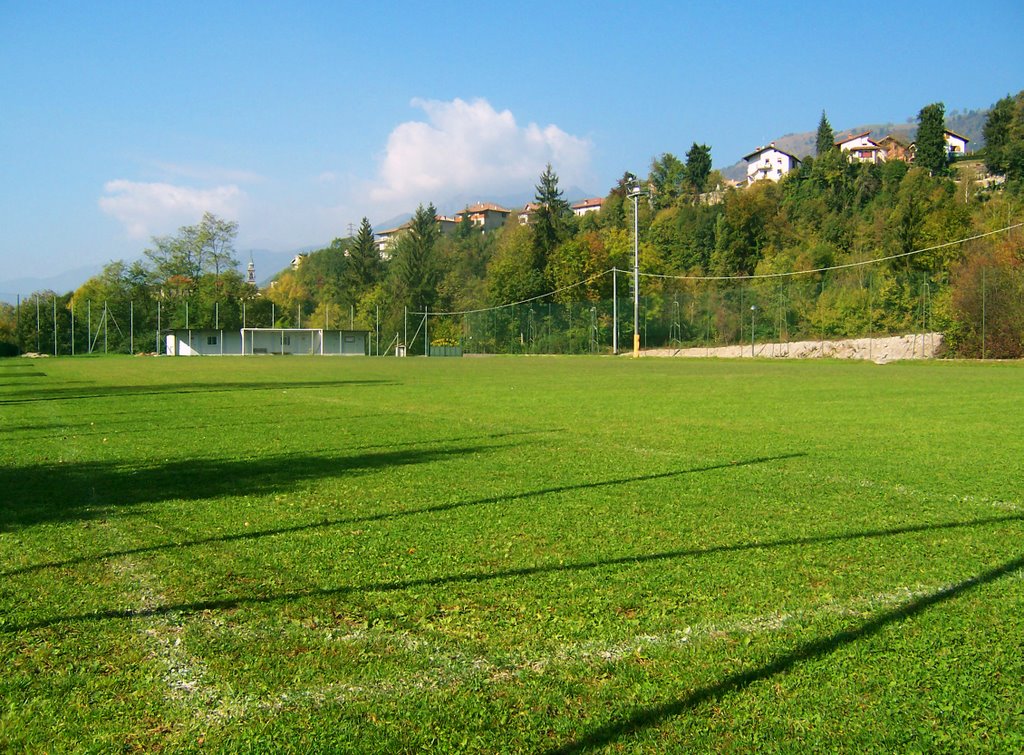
510	555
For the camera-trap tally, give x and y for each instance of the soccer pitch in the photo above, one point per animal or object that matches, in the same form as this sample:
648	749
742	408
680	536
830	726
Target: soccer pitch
510	555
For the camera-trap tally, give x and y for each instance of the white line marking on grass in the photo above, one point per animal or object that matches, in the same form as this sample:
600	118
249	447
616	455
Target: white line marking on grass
450	669
921	495
185	675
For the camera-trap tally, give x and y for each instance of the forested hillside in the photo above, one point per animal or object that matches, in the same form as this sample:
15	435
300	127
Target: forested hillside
836	248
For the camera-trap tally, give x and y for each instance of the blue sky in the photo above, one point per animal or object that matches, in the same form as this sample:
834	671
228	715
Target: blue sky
119	121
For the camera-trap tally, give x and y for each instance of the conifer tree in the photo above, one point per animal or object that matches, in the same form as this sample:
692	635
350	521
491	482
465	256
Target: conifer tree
417	266
826	137
698	166
550	225
364	265
931	141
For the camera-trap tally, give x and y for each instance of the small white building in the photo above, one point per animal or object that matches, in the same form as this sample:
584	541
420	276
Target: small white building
192	342
769	163
313	341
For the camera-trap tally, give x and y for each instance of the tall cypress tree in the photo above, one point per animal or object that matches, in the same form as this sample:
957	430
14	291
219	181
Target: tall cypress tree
826	139
931	141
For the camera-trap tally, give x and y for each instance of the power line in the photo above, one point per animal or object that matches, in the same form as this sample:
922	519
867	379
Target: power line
522	301
846	266
762	276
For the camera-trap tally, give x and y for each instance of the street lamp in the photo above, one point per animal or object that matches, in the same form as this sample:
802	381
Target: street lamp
635	193
753	323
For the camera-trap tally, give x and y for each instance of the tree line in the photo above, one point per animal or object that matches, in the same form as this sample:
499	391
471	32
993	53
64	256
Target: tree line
827	213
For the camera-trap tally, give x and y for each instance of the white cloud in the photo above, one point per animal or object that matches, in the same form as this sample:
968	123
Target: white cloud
469	147
153	208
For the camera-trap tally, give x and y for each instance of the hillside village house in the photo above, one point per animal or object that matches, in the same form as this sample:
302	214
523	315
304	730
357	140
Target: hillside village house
861	148
769	163
956	144
894	149
526	214
485	216
386	239
582	207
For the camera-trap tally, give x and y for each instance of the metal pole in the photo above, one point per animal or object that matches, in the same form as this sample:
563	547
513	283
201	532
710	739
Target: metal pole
89	311
55	325
636	272
72	327
37	323
376	332
131	326
615	311
405	340
104	327
158	313
753	323
426	342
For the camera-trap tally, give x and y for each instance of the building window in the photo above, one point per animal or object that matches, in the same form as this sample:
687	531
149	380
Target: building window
211	340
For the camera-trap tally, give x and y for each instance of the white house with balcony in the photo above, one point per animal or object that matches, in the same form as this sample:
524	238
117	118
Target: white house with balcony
769	163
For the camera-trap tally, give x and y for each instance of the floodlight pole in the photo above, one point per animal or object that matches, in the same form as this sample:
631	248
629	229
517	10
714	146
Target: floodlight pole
635	194
615	312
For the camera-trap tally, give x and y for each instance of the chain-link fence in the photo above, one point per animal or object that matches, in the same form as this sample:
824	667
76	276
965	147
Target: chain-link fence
981	314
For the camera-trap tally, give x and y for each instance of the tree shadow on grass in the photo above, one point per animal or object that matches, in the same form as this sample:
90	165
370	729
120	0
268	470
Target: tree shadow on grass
645	718
75	491
386	515
72	393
